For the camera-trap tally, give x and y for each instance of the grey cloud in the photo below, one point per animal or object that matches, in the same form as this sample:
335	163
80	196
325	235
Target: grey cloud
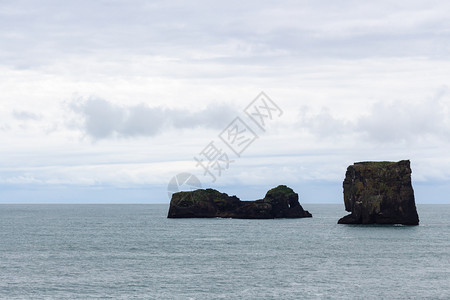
386	123
144	120
230	29
103	119
323	124
25	115
402	122
214	116
4	127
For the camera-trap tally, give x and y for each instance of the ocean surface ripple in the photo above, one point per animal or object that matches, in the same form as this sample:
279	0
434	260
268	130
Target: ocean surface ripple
134	251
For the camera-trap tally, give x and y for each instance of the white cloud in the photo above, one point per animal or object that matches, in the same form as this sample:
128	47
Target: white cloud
396	122
26	115
202	30
174	74
103	119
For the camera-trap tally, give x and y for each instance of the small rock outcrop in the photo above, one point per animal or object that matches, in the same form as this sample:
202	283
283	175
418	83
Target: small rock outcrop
280	202
379	193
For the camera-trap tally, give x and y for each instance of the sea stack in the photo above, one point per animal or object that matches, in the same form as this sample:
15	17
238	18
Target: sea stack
279	202
379	193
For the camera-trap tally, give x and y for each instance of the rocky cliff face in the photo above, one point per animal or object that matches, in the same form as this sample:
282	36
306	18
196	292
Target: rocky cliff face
379	193
280	202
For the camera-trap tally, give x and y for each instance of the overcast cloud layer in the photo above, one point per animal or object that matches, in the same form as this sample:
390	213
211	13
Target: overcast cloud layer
397	122
243	32
107	100
102	119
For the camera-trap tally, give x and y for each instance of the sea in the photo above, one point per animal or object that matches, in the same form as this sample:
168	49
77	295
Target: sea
62	251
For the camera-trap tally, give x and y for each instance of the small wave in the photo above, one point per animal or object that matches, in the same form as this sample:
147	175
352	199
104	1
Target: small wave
209	239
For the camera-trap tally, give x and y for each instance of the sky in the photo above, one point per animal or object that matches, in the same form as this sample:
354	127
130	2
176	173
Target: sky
108	101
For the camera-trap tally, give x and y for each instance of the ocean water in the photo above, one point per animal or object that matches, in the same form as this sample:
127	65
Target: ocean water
135	252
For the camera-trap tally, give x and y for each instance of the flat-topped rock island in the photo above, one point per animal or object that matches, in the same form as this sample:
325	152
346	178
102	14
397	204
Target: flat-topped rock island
279	202
379	193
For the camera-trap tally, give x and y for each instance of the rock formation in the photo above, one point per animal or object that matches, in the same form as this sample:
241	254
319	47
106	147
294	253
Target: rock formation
379	193
280	202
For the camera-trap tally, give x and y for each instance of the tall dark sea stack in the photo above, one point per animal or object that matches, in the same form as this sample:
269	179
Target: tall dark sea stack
379	193
279	202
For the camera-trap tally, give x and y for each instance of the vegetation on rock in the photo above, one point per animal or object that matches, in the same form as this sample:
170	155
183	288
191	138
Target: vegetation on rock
279	202
379	192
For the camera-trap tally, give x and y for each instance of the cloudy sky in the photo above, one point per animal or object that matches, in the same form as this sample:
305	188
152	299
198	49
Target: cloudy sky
106	101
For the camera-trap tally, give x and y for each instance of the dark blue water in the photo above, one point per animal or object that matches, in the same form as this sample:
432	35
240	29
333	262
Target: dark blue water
134	251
